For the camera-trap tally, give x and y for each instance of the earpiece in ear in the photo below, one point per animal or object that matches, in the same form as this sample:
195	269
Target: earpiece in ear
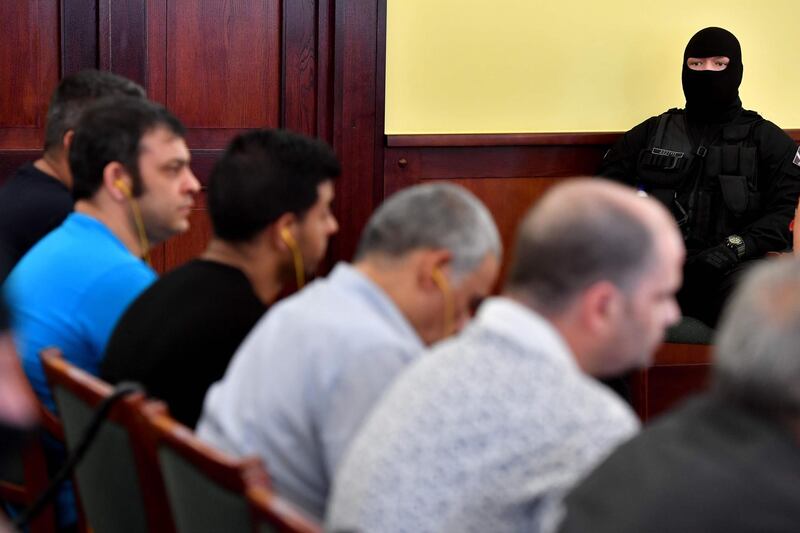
439	279
297	256
288	238
122	186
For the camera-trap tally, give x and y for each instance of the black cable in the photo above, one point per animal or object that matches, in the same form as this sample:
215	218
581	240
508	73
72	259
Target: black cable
120	391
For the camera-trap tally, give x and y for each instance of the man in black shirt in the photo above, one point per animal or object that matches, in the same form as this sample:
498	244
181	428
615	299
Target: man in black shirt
269	198
36	198
730	178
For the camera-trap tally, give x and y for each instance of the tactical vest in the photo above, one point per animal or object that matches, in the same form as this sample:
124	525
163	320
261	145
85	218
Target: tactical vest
711	189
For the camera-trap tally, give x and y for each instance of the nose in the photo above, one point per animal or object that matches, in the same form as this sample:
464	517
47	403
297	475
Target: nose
333	227
673	313
193	183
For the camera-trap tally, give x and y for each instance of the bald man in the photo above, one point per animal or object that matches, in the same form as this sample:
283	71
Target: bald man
486	432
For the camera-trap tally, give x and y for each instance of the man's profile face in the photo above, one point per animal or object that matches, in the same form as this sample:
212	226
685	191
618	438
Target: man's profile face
316	227
168	184
650	308
715	63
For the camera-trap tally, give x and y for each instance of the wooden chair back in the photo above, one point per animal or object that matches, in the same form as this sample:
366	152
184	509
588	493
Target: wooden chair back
210	491
25	477
119	489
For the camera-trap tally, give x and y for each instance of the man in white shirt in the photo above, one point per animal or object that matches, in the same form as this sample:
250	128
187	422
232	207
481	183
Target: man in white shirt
487	431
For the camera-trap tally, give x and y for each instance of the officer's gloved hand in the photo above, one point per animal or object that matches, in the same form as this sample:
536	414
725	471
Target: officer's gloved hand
717	260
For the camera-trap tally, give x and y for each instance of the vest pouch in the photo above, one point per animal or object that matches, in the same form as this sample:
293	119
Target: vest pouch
735	193
713	161
664	170
748	164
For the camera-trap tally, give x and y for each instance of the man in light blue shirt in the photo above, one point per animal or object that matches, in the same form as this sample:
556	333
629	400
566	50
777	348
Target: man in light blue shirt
303	380
486	431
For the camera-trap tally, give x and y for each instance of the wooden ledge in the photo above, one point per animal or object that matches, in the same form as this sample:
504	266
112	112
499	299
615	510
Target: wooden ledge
515	139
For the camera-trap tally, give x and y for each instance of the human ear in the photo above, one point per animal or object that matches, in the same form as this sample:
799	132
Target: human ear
117	181
285	232
601	305
433	269
66	140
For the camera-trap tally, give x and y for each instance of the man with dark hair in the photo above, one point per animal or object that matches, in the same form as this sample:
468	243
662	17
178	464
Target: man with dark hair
727	461
36	199
484	433
133	187
269	198
730	177
301	383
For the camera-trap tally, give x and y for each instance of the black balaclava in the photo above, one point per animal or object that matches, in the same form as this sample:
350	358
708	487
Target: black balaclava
713	95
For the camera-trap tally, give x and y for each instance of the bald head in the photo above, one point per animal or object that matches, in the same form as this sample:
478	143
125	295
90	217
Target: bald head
586	231
756	348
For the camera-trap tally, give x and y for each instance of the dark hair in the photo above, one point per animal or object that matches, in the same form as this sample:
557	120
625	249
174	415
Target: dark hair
575	237
262	175
75	93
110	130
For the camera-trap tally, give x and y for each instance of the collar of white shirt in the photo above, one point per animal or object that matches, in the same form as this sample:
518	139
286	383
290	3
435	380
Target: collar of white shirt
526	327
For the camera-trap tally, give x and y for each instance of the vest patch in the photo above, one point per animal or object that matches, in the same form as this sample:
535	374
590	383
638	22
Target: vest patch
796	159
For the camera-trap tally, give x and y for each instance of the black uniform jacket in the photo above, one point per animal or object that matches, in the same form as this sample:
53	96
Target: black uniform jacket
777	178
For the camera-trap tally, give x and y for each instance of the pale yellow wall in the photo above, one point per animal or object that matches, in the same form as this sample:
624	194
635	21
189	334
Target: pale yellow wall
509	66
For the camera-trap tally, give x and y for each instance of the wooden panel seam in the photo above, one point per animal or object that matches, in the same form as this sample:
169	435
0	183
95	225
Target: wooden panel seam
516	139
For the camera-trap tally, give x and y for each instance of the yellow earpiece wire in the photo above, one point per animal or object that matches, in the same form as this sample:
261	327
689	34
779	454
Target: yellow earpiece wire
137	218
299	267
449	306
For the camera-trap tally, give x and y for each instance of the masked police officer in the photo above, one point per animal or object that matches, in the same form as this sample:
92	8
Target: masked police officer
730	177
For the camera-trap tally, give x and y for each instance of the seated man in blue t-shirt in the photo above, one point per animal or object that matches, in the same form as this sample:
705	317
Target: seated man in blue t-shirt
133	187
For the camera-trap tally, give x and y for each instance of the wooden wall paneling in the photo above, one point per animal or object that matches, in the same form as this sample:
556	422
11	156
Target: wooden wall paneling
669	385
29	61
299	67
406	166
355	111
508	179
380	103
79	35
216	65
155	45
223	67
325	61
503	139
678	371
123	39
